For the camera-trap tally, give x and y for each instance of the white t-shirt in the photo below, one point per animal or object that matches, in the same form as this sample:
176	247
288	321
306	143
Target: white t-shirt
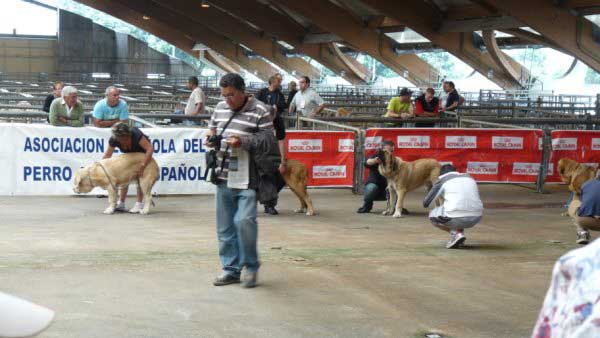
197	96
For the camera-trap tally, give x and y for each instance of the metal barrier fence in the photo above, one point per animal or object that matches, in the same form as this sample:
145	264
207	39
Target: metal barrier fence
336	123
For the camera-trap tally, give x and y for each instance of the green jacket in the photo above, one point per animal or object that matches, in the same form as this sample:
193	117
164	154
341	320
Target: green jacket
58	108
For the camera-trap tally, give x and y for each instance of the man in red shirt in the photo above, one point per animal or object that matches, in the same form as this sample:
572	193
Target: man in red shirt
427	105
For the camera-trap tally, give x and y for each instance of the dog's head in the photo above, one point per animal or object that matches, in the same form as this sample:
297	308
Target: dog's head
388	165
566	168
82	182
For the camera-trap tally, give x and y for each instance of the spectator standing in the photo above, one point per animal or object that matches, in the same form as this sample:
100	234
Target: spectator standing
273	97
292	88
453	99
56	92
195	103
307	102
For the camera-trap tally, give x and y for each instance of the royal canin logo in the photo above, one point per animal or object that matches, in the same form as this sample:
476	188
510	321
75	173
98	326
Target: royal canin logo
305	146
596	144
569	143
530	169
461	142
503	142
482	168
373	142
346	145
413	141
329	171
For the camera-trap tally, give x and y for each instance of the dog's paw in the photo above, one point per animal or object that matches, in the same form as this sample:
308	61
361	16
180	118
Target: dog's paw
565	214
109	211
310	213
144	211
386	213
300	211
397	215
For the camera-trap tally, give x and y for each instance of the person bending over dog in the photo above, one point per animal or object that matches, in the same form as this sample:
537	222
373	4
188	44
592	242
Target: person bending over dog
585	210
375	189
130	140
462	207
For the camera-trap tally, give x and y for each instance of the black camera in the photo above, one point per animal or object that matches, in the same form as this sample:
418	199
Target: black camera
215	141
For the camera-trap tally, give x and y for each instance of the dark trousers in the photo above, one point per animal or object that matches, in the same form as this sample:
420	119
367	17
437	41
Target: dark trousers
373	192
278	182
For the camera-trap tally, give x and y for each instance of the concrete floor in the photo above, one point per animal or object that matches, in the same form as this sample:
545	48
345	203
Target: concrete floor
338	274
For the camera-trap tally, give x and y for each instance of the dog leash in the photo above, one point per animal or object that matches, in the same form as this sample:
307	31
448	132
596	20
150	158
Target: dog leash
107	176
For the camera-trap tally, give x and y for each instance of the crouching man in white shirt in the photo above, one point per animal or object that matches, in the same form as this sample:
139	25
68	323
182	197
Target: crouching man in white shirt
462	207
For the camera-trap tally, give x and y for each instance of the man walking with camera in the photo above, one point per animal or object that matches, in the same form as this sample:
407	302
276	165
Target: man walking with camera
241	131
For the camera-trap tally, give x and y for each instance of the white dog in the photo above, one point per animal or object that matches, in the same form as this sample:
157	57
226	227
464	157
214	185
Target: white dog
111	173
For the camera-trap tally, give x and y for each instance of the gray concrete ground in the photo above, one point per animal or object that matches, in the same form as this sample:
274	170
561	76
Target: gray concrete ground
337	274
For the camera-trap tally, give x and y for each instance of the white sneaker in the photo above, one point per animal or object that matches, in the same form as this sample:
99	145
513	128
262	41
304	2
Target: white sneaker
120	206
137	208
456	239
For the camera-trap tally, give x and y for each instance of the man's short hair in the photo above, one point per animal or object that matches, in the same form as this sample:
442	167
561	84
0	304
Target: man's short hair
306	78
430	91
450	83
447	168
109	89
56	84
68	90
387	143
233	80
193	80
272	79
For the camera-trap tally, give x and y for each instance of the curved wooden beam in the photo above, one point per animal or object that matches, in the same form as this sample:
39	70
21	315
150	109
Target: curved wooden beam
349	62
557	24
336	20
194	16
280	27
503	61
221	62
459	44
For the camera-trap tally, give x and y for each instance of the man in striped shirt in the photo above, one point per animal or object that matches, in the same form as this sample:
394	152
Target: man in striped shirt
246	139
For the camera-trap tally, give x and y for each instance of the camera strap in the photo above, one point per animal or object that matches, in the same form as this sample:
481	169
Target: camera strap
214	173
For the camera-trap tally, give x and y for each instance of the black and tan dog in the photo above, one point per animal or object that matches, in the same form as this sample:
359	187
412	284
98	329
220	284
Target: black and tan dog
403	177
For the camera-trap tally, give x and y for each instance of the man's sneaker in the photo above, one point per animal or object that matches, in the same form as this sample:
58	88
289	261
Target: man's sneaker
137	208
583	237
456	240
363	210
226	279
120	206
250	279
271	211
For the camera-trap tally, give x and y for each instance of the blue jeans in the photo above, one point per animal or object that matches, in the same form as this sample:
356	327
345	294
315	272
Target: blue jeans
373	192
237	229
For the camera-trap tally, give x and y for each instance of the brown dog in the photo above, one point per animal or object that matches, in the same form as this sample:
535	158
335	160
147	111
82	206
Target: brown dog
296	177
114	172
575	174
403	177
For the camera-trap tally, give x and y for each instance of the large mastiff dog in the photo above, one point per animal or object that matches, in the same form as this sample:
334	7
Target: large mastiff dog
296	177
111	173
575	174
403	177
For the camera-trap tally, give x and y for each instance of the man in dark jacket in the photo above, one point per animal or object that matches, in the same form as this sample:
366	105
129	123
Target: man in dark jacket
273	96
375	189
248	151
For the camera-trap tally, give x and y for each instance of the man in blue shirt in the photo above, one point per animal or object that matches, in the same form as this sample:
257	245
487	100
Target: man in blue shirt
111	109
586	211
